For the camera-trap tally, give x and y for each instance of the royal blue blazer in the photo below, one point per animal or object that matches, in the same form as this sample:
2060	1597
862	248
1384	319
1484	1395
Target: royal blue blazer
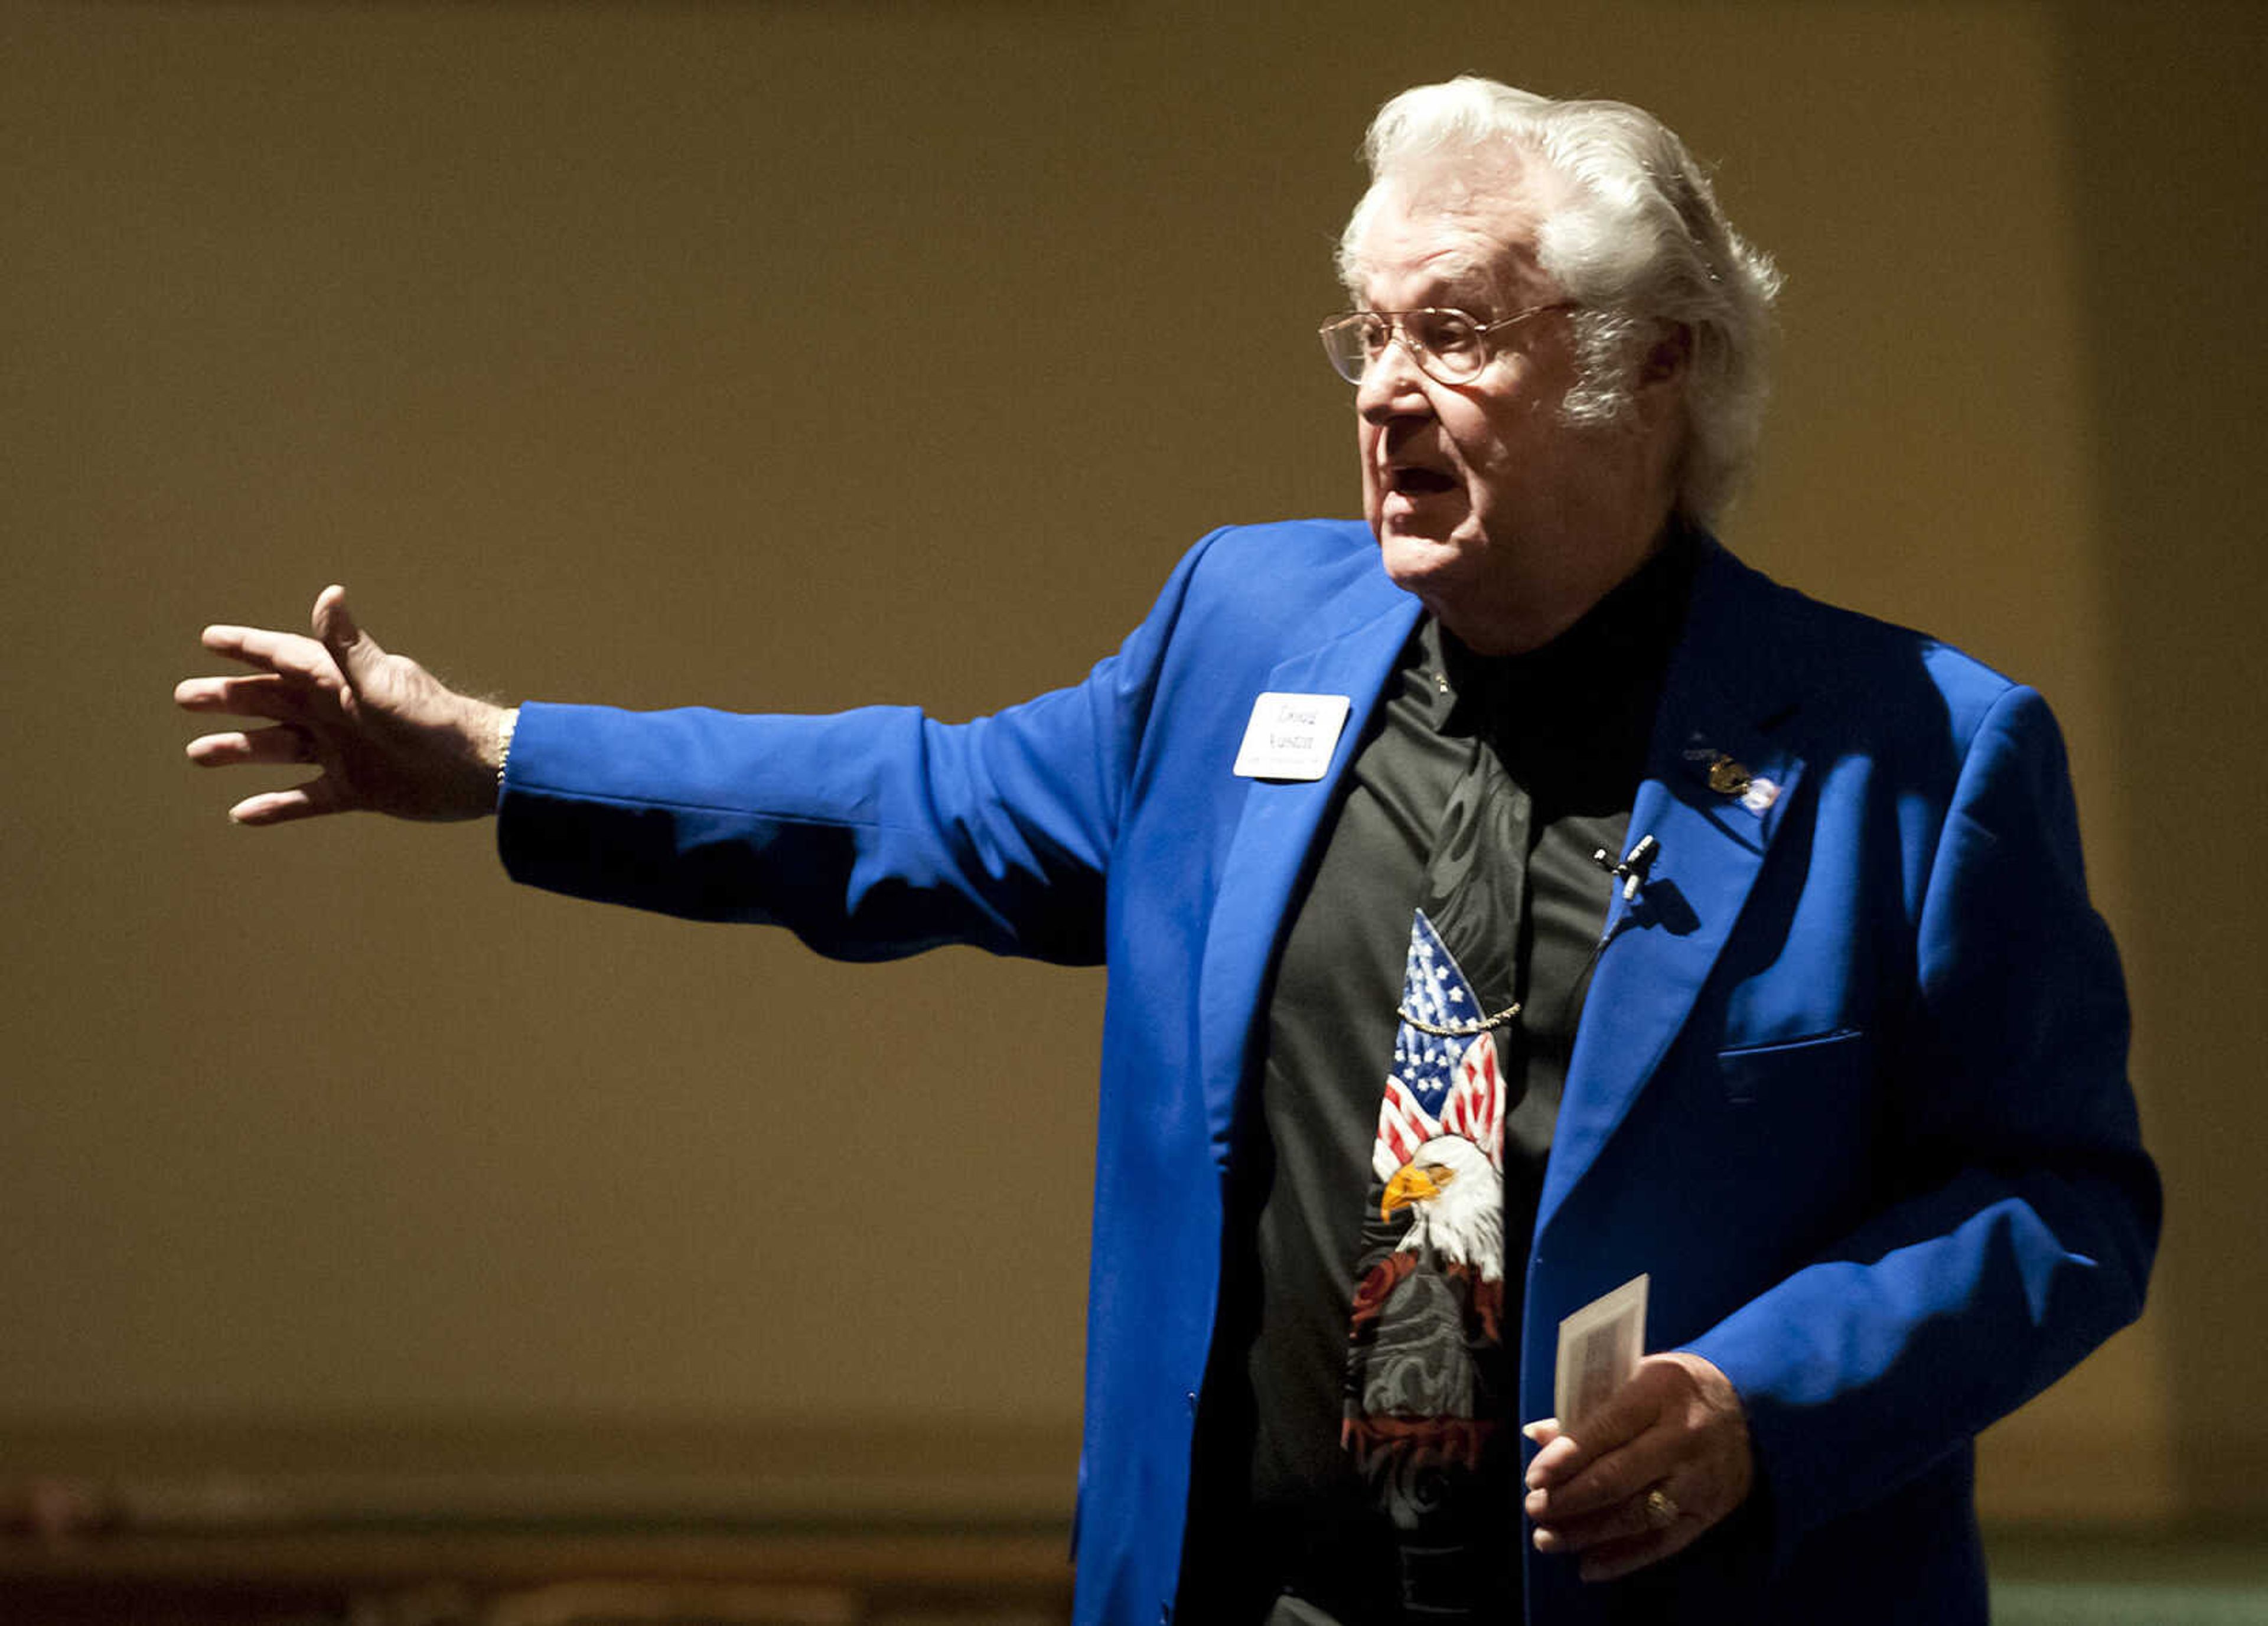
1850	1083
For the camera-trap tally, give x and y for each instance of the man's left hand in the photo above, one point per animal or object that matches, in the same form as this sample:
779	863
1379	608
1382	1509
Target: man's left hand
1660	1462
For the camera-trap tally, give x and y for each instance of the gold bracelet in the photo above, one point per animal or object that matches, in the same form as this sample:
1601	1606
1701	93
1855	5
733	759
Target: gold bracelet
506	721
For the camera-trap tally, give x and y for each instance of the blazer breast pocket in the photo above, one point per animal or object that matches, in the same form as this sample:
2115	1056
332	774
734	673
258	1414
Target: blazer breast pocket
1828	1066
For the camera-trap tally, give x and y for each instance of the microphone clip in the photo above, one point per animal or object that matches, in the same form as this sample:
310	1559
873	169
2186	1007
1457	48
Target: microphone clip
1631	870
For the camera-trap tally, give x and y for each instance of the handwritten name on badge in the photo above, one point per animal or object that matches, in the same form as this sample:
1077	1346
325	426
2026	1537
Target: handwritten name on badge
1292	736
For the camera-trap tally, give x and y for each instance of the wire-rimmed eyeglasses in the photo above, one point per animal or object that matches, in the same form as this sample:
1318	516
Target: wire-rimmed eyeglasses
1450	346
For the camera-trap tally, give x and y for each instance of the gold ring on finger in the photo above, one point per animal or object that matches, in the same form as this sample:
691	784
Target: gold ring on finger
1661	1508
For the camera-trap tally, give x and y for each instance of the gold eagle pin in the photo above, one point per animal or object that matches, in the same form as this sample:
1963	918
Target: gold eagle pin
1728	777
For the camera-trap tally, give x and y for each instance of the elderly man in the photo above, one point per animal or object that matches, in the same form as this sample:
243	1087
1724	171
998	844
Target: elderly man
1504	898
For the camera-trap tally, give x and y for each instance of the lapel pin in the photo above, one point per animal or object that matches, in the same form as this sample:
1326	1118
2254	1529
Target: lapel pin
1728	777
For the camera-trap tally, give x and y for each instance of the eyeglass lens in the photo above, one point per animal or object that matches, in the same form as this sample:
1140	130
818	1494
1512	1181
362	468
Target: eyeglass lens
1447	343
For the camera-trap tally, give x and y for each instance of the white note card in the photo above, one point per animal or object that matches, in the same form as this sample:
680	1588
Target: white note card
1292	736
1599	1349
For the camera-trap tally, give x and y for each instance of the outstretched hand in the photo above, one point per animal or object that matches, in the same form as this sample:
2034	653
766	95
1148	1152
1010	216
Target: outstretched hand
387	735
1663	1458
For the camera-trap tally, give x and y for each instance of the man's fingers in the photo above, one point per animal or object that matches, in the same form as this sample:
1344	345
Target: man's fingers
265	696
310	800
288	654
1623	1521
1600	1433
280	744
1617	1453
1612	1479
1561	1456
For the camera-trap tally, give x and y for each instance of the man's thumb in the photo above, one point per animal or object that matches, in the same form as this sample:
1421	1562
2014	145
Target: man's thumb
349	645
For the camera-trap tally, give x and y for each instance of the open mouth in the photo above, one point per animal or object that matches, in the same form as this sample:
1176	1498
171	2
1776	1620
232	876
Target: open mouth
1412	482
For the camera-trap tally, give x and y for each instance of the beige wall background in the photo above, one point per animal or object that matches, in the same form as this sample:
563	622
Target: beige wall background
801	355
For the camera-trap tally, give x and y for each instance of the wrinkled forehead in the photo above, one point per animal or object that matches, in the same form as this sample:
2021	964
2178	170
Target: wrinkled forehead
1456	229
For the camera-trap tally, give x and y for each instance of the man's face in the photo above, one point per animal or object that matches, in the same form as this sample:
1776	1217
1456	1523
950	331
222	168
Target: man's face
1505	520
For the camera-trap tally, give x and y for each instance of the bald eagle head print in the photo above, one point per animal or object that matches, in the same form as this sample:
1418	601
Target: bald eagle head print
1456	1199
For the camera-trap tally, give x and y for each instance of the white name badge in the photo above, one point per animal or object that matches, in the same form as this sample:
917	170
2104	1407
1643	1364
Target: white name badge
1292	736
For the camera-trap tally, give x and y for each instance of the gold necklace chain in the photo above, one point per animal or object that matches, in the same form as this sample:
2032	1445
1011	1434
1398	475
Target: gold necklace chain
1460	1030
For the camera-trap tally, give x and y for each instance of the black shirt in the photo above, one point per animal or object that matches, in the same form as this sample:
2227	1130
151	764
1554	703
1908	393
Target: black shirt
1275	1503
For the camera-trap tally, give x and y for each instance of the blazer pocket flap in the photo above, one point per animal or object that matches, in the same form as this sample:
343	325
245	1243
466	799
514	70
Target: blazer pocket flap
1753	1072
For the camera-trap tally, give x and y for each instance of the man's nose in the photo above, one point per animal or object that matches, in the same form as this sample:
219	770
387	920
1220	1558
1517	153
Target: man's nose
1392	386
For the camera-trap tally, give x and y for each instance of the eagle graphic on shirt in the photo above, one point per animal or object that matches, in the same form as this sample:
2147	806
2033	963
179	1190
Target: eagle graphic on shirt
1426	1370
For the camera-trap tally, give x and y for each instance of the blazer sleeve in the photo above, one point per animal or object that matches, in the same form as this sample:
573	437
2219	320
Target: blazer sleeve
870	833
2031	1212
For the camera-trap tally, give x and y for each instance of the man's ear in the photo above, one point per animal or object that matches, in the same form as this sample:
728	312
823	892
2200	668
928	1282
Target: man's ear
1661	372
1666	357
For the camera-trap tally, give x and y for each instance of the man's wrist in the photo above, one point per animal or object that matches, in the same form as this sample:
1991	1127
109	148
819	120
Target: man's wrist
484	733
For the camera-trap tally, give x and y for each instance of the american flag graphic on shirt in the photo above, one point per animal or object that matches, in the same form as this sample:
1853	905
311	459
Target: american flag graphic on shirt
1440	1084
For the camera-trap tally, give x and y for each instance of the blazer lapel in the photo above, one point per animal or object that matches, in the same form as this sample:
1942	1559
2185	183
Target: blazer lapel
1721	776
1269	850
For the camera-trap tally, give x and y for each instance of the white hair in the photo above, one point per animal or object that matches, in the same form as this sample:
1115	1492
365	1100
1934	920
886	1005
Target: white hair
1640	242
